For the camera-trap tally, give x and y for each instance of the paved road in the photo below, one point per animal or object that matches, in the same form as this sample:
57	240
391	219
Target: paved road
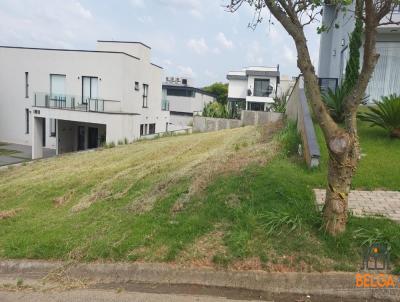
104	296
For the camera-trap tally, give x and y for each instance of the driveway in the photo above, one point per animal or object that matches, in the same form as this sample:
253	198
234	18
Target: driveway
15	153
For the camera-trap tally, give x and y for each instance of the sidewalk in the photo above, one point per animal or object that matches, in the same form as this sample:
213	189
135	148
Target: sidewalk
369	203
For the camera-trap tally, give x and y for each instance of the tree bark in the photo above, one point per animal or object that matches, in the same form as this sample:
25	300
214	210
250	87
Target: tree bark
342	163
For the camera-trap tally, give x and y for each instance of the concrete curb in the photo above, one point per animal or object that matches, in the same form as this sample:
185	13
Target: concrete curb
335	284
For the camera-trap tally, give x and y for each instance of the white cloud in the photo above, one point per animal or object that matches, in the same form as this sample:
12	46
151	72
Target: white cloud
145	19
167	62
83	12
289	54
199	46
210	74
216	50
223	41
137	3
186	71
55	23
196	13
255	53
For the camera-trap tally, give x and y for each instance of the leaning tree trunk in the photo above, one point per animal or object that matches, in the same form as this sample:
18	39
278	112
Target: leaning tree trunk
343	157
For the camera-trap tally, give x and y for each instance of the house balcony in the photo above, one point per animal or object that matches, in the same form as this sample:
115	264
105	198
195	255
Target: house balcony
76	103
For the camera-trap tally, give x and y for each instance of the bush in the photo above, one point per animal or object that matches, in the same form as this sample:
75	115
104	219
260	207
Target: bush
290	138
215	109
280	103
386	115
334	100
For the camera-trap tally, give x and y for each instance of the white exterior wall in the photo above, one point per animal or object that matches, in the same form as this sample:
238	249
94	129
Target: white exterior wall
237	89
117	74
336	41
189	104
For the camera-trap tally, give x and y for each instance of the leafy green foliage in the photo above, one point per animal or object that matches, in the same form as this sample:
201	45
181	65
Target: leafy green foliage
353	64
290	138
334	100
280	103
277	221
220	90
215	109
386	115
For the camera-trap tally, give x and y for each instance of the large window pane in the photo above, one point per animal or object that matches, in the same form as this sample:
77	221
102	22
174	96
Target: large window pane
386	77
261	87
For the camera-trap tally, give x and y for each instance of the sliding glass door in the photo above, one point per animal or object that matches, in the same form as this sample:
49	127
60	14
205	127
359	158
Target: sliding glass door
89	89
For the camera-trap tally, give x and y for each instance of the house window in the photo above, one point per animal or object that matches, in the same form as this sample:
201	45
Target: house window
90	89
137	86
145	95
27	121
180	92
26	85
261	87
53	129
152	128
141	129
146	131
253	106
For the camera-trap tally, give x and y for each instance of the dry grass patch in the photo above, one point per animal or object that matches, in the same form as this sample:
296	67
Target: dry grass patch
201	253
8	213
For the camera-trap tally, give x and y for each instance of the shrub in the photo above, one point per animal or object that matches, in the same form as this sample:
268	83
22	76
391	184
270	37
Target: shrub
334	100
215	109
290	138
280	103
386	114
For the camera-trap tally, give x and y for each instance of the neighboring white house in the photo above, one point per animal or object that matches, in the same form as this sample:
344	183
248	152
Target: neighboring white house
334	52
183	101
73	100
252	88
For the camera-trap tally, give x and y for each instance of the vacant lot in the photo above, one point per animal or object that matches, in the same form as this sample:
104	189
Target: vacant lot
236	198
113	203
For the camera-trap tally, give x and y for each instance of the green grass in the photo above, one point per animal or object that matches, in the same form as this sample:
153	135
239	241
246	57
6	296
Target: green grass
6	152
256	216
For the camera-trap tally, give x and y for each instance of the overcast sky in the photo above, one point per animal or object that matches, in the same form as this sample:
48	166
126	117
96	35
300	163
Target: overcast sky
195	38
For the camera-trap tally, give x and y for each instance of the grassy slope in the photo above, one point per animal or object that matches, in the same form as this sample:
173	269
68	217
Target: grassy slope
226	224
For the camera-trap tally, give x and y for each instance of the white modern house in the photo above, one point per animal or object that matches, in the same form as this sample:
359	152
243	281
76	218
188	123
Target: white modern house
334	52
183	101
253	88
72	100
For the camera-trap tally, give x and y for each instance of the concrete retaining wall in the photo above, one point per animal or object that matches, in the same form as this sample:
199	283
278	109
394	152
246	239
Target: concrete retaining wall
297	110
208	124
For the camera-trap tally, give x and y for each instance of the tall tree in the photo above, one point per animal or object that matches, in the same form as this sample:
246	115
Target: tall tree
342	141
220	90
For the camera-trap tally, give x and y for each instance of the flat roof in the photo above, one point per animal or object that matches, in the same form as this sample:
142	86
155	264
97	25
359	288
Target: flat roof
70	50
131	42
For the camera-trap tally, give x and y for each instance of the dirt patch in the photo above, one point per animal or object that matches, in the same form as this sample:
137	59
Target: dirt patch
87	201
61	200
201	253
8	213
253	263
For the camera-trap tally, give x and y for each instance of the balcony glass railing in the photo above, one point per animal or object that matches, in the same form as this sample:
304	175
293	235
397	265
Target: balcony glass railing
78	103
165	105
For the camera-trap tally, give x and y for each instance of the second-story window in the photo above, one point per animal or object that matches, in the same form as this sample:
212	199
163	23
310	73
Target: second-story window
261	87
145	95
